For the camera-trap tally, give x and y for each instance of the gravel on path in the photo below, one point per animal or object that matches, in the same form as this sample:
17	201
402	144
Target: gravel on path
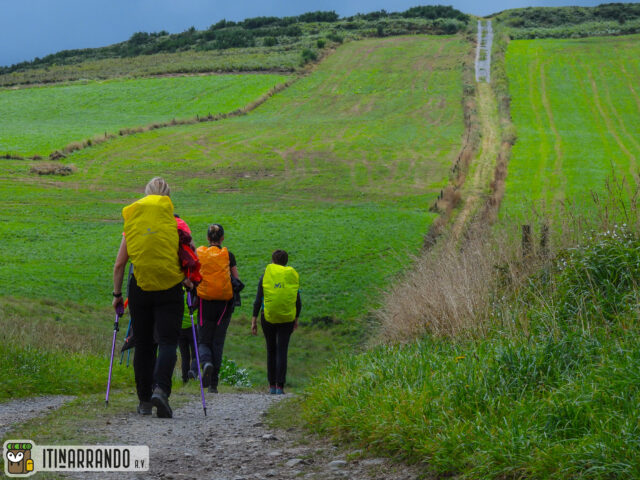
234	443
483	52
19	411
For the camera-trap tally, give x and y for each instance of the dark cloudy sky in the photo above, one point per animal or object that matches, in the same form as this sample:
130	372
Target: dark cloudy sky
34	28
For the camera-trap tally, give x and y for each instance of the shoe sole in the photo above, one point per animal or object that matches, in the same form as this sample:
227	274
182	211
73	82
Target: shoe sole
206	375
163	410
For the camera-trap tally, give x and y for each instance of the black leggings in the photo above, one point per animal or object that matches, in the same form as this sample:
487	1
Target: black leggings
187	352
215	315
156	318
277	336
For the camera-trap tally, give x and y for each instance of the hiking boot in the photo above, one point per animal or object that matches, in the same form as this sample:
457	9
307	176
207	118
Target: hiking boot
213	389
145	408
272	389
279	391
192	374
160	400
207	370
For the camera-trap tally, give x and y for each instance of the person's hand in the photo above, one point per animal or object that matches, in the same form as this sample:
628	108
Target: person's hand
295	324
188	283
254	326
117	301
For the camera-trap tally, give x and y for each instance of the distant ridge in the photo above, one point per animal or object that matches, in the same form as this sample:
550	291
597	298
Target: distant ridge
265	32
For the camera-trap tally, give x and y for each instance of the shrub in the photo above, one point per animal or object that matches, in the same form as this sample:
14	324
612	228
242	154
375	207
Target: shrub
232	374
270	41
321	43
318	16
53	169
600	279
334	37
308	55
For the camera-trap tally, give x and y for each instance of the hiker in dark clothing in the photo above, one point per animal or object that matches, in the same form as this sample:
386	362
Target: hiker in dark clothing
215	291
187	351
279	298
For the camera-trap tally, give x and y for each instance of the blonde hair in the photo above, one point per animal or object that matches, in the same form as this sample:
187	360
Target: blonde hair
157	186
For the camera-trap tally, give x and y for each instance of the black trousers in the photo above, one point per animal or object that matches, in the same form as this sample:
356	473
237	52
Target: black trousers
277	336
156	318
187	352
216	316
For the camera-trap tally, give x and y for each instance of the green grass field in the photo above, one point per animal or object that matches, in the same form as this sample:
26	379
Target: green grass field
41	119
339	169
575	105
282	58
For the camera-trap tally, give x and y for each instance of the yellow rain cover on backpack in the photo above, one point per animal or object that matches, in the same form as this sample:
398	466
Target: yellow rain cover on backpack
280	285
216	274
152	242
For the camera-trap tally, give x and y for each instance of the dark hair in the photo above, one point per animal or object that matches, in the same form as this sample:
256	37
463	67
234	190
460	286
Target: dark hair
280	257
215	233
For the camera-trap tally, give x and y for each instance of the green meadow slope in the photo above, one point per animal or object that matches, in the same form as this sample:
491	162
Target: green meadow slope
575	105
39	120
339	169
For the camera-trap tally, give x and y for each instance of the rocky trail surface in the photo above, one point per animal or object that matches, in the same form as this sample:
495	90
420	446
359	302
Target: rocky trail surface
233	443
18	411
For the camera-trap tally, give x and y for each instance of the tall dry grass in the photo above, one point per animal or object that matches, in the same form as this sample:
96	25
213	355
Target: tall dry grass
459	289
448	291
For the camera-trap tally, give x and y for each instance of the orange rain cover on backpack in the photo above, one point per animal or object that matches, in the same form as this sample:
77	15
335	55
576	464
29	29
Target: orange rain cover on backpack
216	274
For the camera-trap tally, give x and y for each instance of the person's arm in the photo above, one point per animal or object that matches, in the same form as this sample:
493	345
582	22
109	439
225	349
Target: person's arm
298	309
233	266
257	305
118	271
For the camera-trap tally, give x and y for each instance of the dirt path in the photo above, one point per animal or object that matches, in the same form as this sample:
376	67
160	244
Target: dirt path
481	169
19	411
233	443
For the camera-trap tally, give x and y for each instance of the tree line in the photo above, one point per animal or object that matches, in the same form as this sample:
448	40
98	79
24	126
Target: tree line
260	31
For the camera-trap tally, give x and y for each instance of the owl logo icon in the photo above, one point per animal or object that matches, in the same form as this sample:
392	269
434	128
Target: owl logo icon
18	458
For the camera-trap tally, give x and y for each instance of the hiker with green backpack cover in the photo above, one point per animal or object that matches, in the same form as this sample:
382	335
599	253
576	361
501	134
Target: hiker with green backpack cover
278	297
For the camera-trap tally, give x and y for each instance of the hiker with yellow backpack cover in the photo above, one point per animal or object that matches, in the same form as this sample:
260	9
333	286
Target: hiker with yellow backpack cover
218	266
156	297
278	297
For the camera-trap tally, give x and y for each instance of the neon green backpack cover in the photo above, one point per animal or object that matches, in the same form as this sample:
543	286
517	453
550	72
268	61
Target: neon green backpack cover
280	285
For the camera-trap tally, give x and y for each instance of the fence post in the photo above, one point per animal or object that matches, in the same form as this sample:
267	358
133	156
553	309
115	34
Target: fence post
544	240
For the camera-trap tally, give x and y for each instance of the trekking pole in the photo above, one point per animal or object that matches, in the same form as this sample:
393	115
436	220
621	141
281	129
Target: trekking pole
119	313
195	343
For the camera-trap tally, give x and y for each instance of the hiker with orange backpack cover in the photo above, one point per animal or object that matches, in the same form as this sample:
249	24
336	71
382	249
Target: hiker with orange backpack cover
216	294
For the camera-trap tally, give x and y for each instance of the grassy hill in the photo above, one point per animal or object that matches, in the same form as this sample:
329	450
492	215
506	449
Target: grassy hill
575	107
528	368
37	121
570	22
339	169
255	44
